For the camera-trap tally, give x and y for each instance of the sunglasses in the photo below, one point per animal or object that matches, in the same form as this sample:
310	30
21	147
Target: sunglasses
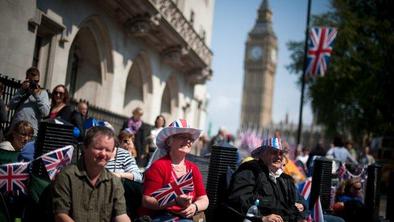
126	141
58	93
183	137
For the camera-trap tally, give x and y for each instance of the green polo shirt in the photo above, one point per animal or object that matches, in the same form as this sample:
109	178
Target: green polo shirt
74	195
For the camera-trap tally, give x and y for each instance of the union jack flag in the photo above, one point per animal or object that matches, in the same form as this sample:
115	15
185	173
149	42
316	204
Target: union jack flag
13	177
305	188
169	192
320	44
56	160
342	171
317	213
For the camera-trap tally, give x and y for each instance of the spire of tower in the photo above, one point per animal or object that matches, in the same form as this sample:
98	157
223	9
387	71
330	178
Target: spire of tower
263	23
264	12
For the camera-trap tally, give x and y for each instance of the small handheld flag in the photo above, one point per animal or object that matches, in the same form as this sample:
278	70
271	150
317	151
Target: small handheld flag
169	192
56	160
320	45
317	213
14	176
306	188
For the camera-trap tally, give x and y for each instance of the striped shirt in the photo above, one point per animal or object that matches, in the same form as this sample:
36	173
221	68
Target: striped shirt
124	163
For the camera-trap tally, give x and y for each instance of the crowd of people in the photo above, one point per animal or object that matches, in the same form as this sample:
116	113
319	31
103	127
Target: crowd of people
143	174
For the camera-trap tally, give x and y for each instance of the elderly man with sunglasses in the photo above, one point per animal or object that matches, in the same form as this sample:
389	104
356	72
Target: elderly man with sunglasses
263	179
30	102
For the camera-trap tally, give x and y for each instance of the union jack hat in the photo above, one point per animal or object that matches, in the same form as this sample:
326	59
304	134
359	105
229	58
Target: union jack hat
180	126
273	142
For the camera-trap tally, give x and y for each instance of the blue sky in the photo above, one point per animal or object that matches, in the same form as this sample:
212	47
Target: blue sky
233	19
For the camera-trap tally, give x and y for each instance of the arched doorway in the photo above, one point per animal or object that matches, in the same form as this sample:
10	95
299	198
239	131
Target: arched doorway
169	99
90	60
138	84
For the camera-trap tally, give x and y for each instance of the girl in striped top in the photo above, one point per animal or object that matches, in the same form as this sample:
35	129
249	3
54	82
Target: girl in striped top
123	165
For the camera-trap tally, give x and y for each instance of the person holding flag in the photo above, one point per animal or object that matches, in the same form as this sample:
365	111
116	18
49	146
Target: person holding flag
86	191
173	186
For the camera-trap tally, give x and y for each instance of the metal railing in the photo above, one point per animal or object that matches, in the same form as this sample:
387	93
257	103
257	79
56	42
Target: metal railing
12	85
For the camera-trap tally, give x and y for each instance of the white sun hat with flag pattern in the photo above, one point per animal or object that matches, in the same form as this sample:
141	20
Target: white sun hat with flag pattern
180	126
273	142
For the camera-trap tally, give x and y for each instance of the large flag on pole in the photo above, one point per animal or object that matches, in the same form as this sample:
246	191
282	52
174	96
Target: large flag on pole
14	176
320	45
56	160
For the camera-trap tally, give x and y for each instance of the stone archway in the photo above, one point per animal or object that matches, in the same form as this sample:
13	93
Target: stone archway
138	84
90	61
169	99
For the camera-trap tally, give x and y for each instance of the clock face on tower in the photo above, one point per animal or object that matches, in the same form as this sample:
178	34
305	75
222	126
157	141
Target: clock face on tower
256	52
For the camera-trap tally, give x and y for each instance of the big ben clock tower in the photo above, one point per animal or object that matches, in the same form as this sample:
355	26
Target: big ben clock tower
259	72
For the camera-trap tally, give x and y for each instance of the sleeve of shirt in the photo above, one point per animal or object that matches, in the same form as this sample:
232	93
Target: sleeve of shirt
153	179
198	182
119	206
14	102
241	192
61	194
43	102
330	152
131	166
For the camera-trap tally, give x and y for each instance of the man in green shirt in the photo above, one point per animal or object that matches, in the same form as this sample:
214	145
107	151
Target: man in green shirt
87	191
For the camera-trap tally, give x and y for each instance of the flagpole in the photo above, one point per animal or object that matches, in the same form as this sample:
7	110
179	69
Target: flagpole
303	74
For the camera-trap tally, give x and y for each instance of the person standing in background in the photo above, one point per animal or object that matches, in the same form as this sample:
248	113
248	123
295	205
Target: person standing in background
141	130
79	116
30	102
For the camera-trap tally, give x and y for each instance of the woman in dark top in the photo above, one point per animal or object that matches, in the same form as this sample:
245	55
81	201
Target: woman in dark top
59	104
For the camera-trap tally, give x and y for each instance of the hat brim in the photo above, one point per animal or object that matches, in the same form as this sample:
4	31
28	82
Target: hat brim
256	152
170	131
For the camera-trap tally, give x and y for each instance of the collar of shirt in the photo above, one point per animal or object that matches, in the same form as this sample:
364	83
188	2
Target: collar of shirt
104	176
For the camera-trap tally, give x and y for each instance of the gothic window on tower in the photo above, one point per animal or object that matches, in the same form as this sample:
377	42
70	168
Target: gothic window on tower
273	55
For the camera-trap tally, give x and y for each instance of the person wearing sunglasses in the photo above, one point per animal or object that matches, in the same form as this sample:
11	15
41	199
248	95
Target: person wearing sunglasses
30	102
59	104
176	140
349	204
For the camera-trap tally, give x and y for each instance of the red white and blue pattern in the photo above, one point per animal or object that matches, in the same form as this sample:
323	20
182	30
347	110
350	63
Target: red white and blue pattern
13	177
182	185
272	142
317	213
56	160
179	126
306	188
179	123
320	45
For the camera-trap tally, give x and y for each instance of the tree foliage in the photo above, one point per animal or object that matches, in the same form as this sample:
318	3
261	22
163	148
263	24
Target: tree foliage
356	95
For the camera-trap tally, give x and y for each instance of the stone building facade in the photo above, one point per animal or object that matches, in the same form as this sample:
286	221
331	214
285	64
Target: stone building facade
117	54
259	72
